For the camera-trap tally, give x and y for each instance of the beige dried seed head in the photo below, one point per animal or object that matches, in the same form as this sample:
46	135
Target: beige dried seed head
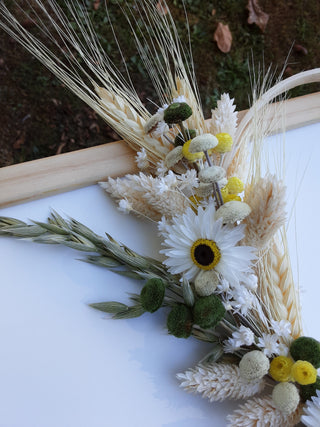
152	123
204	190
203	142
232	211
173	157
286	397
211	174
206	282
254	365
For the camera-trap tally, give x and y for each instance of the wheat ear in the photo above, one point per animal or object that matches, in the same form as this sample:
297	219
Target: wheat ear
126	121
276	287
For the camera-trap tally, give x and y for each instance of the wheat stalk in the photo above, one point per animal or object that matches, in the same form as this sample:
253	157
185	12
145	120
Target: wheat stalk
95	79
77	236
253	127
276	287
126	121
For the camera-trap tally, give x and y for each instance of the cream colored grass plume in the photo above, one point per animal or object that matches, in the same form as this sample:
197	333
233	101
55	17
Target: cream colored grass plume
95	79
261	412
219	381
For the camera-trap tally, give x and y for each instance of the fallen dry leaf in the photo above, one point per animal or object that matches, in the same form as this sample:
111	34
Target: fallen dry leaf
162	7
257	15
96	4
223	37
300	49
20	141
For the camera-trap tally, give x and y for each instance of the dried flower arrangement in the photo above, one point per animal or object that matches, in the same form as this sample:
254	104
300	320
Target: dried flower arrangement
226	277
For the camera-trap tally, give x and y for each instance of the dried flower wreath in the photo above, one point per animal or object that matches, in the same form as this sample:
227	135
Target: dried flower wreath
226	276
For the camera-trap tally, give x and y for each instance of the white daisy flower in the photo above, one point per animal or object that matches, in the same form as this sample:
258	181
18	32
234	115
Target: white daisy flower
311	411
196	242
269	344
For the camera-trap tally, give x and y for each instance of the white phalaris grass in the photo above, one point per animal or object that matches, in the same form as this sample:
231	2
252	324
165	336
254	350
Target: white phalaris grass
224	116
261	412
149	196
219	381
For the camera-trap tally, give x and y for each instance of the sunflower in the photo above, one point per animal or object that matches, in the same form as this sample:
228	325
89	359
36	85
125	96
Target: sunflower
195	242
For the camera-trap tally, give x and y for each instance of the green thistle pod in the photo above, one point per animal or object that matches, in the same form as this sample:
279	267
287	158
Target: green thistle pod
177	112
179	140
179	321
208	311
307	391
152	295
306	348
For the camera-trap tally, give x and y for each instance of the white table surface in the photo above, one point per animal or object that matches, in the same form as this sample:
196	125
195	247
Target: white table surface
64	364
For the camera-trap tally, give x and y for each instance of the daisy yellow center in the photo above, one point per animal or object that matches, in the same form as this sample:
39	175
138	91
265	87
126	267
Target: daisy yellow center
205	254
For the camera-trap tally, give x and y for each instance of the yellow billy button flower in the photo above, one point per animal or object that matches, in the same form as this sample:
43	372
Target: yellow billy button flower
205	254
192	157
304	373
235	185
280	368
224	142
224	193
230	198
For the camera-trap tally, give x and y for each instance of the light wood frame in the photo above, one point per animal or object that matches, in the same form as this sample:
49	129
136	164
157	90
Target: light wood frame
40	178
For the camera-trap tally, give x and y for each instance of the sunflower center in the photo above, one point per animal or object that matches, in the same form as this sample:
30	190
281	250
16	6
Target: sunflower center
205	254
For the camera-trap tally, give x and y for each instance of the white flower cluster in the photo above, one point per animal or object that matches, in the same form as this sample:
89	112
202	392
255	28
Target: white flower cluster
239	299
243	336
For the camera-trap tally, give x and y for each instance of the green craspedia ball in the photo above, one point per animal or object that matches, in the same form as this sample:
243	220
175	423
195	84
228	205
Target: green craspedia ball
306	348
177	112
152	295
179	140
307	391
179	321
208	311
